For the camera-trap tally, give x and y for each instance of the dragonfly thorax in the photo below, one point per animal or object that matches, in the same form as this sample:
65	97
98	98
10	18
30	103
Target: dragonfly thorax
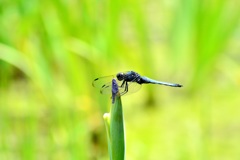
132	76
129	76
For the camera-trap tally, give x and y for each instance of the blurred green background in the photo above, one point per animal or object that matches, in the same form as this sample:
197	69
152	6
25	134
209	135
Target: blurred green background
50	51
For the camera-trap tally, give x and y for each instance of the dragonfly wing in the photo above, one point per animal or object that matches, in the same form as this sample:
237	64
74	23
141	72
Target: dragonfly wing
132	88
105	85
106	88
101	81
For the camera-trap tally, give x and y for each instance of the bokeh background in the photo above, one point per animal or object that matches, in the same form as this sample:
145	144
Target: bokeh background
50	51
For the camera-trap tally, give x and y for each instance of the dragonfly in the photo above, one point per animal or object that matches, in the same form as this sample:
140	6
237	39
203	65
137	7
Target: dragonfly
128	82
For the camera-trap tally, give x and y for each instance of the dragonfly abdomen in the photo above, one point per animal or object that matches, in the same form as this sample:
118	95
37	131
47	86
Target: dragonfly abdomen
152	81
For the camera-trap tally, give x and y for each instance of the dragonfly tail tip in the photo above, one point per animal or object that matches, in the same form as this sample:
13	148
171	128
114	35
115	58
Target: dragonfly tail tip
179	85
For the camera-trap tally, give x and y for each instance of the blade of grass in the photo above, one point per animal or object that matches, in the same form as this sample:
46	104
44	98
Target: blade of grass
106	118
14	57
115	128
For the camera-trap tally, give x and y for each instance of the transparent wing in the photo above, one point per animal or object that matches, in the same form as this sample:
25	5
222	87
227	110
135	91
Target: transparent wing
104	84
132	88
101	81
106	88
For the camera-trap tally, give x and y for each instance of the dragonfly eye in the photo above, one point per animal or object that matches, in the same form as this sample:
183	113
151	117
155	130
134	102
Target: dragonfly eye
120	76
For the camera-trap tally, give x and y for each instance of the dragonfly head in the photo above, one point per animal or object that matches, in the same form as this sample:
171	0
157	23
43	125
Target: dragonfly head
120	76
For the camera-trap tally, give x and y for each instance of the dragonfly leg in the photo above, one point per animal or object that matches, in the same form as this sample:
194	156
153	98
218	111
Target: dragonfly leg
126	89
123	83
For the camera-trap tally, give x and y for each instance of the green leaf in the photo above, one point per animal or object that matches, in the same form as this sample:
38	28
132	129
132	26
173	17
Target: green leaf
115	126
117	130
106	118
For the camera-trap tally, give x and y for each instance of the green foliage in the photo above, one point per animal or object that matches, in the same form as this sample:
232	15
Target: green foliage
50	51
114	123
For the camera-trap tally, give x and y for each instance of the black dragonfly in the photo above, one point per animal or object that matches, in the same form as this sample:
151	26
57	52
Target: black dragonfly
128	82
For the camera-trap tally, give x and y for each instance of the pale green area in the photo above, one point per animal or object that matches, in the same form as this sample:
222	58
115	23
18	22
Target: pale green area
50	51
